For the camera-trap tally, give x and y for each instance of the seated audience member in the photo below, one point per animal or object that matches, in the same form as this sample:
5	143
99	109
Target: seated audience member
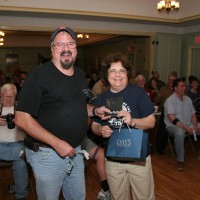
11	141
174	73
99	87
2	78
141	81
156	76
194	94
180	119
165	91
16	81
154	87
94	78
22	76
88	79
97	153
163	94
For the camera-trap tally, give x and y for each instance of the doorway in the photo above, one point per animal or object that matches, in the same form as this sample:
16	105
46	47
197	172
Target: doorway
194	61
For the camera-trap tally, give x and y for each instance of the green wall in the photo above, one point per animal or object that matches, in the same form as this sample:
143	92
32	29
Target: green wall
188	40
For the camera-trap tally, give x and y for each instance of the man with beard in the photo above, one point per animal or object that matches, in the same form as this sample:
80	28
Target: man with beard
52	110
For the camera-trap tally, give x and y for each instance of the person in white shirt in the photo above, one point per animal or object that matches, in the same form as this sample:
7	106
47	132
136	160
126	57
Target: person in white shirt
180	119
11	141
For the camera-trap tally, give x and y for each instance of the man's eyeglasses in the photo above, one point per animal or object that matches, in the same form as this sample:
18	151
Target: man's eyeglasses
62	45
121	71
8	97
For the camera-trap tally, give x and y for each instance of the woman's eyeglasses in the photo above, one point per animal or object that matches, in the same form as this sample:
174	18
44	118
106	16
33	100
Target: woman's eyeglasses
121	71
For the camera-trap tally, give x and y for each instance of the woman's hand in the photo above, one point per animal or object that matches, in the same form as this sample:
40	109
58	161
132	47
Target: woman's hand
106	131
126	116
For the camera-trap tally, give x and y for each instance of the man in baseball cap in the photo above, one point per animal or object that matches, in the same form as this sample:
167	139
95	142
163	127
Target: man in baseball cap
62	28
53	111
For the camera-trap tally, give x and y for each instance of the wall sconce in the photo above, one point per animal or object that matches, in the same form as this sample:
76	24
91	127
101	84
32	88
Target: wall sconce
2	34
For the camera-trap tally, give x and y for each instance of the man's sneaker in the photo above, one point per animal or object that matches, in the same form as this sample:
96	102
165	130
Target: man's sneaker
11	189
104	195
180	166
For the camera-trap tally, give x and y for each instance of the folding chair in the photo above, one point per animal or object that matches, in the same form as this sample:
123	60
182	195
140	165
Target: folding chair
170	140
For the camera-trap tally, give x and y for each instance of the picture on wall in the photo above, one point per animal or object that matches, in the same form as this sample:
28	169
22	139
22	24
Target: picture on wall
12	63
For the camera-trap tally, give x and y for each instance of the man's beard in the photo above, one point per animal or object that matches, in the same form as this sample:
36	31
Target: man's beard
66	64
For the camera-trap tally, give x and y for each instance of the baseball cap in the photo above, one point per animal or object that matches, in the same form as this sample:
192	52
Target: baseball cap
62	28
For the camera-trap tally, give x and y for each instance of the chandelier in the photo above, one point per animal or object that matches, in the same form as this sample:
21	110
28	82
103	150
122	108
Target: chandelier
168	6
2	34
83	36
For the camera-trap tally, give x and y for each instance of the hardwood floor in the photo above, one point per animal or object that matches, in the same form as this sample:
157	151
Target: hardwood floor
169	183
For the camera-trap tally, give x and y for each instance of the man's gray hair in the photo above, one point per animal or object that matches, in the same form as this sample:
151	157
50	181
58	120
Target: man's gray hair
8	86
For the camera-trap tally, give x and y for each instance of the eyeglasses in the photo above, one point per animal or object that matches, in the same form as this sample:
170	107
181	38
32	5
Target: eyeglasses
121	71
8	97
61	45
195	83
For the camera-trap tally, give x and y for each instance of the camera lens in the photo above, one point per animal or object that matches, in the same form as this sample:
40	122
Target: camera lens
9	120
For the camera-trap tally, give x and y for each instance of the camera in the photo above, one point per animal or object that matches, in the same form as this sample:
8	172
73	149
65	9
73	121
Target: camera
113	114
114	105
9	120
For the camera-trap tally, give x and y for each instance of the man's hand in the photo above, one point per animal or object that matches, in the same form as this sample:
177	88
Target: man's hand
100	112
2	121
197	130
189	130
64	149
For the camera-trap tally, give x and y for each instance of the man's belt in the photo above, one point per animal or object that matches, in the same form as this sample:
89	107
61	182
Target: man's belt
34	144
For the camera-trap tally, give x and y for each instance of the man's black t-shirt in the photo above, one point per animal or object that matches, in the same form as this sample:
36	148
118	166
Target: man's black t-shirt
56	101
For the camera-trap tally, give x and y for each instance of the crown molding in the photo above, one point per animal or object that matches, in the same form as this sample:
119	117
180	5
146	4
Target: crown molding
22	10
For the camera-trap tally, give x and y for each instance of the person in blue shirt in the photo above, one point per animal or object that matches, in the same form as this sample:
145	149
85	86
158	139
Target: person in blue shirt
137	111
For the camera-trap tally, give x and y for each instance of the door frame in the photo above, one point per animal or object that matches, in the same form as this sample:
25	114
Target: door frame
189	66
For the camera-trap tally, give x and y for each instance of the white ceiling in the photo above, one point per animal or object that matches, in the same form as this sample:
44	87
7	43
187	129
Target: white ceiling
123	8
108	17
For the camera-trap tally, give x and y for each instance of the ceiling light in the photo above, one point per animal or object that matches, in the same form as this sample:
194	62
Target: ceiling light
168	6
2	34
83	36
